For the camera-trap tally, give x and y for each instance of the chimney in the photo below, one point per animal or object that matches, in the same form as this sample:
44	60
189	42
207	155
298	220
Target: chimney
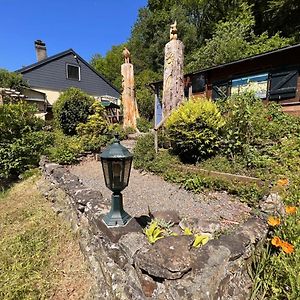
40	49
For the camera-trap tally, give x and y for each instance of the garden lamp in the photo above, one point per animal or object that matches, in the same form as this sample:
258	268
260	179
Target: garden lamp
116	163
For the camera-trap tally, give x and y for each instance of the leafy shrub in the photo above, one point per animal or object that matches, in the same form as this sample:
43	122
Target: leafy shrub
66	149
117	129
194	129
72	107
143	125
252	125
95	132
22	140
144	152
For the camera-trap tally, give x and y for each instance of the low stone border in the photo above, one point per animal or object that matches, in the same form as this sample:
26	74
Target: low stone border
217	174
125	266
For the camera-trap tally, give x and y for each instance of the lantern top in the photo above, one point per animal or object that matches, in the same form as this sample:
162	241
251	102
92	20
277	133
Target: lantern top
116	151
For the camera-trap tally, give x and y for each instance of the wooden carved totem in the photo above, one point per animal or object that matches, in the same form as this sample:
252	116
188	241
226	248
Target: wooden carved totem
173	88
130	110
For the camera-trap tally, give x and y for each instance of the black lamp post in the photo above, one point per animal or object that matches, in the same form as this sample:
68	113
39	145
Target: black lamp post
116	163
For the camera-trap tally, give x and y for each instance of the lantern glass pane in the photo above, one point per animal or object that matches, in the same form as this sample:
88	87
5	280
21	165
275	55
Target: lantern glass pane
127	171
117	175
106	173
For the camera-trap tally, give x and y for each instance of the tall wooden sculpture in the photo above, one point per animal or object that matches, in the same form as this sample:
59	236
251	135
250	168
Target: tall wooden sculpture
130	110
173	88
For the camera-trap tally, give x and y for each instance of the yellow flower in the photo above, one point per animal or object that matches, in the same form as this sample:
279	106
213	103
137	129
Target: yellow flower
287	247
273	221
276	241
282	182
290	209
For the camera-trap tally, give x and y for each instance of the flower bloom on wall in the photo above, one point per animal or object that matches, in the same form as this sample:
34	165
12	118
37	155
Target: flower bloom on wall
283	182
273	221
290	209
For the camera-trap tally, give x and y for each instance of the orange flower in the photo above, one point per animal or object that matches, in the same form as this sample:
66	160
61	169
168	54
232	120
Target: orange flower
276	241
282	182
287	247
290	209
273	221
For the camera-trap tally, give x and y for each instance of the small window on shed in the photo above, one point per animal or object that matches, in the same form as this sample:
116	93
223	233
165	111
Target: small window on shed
198	84
283	85
256	83
73	72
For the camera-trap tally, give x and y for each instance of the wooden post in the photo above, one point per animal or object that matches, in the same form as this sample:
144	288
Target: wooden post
173	90
130	109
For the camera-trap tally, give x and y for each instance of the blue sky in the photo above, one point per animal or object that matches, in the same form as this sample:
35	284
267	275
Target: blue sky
87	26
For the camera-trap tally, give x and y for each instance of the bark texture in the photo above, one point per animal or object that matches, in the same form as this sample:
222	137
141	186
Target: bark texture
173	90
130	110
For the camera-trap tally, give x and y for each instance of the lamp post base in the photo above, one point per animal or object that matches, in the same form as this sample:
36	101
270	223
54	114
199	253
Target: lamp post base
117	216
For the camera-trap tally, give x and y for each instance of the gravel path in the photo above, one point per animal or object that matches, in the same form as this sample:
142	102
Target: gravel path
150	190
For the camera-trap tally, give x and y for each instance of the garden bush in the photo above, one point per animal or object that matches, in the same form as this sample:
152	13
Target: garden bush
194	129
95	132
72	107
22	139
66	149
144	151
251	125
144	125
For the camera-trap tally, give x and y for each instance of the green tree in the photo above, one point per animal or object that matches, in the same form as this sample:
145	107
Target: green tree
11	80
71	108
144	95
234	39
110	64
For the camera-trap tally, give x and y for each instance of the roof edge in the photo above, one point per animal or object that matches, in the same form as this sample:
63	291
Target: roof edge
62	54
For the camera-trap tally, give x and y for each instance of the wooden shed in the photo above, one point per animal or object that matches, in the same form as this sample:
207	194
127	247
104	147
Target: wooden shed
274	76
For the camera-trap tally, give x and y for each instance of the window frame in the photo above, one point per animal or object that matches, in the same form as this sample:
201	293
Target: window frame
79	72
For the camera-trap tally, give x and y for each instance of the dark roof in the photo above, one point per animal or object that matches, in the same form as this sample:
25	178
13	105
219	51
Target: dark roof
60	55
249	58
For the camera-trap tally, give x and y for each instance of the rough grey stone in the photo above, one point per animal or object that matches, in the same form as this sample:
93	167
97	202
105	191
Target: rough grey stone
131	242
168	258
272	204
168	270
200	225
167	215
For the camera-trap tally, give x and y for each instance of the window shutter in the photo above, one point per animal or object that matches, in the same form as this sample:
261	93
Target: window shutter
198	84
219	91
283	85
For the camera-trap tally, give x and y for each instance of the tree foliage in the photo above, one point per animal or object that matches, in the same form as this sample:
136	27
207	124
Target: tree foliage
110	64
21	139
234	39
71	108
11	80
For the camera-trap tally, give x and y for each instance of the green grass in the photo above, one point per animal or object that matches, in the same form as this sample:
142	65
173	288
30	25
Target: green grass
39	256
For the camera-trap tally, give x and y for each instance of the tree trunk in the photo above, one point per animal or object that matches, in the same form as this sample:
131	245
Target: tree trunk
173	90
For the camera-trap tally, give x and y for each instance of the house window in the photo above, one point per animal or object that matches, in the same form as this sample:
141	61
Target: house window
257	83
73	72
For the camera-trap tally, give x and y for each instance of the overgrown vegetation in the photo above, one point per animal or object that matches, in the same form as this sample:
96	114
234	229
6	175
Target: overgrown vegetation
22	139
39	256
255	140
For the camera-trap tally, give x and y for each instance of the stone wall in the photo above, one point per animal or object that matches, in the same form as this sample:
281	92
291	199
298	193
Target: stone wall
125	266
